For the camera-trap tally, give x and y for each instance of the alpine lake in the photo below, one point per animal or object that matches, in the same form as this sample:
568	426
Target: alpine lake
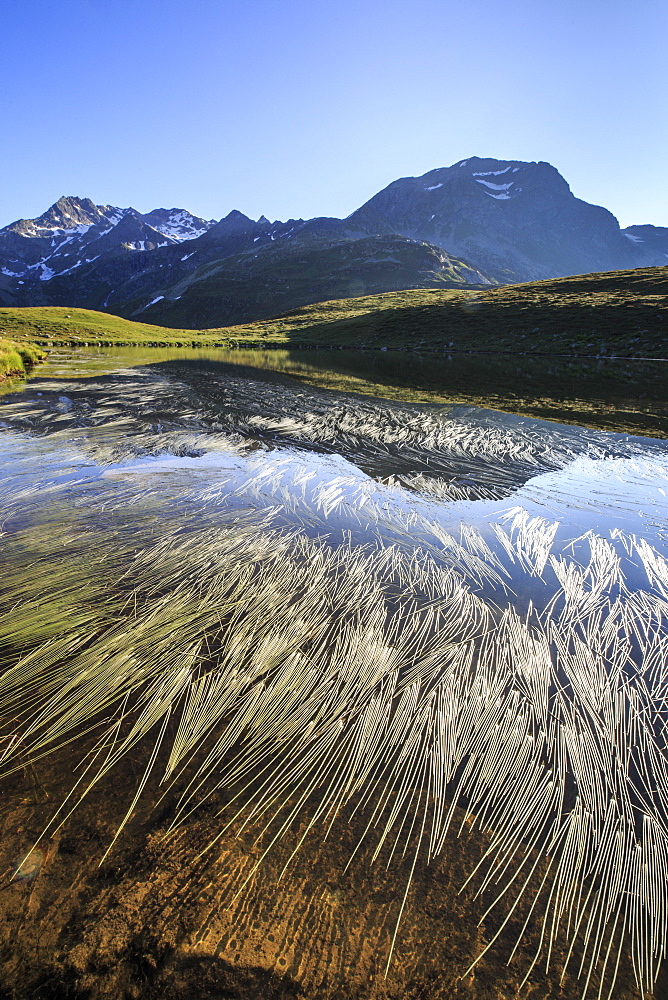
334	674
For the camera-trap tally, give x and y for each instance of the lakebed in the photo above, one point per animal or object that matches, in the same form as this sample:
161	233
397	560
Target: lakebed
343	686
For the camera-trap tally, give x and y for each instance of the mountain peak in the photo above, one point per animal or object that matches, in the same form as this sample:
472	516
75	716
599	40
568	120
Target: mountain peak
68	214
235	216
509	217
234	222
69	206
177	223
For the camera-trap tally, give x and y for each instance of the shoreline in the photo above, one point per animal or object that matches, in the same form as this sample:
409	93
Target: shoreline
18	359
306	346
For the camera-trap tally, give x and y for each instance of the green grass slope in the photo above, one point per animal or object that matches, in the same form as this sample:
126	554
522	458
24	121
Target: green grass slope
621	313
16	359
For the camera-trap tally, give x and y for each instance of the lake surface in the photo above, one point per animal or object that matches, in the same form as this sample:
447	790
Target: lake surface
595	392
458	604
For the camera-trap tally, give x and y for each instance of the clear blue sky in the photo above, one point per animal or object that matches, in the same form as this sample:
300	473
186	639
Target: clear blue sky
308	107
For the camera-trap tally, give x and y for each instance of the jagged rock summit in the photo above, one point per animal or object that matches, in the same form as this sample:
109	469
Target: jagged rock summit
67	215
75	231
480	221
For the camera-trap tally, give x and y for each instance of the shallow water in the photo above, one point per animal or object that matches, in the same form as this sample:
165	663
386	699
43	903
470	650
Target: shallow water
596	392
350	562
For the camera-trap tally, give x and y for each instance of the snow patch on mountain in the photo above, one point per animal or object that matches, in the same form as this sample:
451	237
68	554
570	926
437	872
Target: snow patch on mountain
496	187
47	272
158	298
491	173
69	270
41	231
181	226
504	196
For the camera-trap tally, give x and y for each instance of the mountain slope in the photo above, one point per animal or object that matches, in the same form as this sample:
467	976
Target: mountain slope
237	270
72	234
517	221
621	313
280	277
480	221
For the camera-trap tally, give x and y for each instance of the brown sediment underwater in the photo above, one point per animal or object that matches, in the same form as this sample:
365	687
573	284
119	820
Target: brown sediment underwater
156	921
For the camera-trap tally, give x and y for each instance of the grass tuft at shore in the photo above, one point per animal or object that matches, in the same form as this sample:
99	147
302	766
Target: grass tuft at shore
16	359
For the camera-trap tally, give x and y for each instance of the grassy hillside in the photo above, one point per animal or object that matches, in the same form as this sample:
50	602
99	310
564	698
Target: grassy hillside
16	359
623	313
275	278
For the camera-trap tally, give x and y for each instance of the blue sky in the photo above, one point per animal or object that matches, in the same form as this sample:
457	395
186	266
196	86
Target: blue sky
308	107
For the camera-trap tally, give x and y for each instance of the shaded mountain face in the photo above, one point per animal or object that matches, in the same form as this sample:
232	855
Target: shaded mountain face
280	276
75	231
516	221
480	222
650	241
170	267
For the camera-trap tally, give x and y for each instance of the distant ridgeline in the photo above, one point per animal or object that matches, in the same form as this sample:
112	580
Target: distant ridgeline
479	223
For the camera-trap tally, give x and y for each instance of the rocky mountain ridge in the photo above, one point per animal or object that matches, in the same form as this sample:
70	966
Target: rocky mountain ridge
517	221
479	222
